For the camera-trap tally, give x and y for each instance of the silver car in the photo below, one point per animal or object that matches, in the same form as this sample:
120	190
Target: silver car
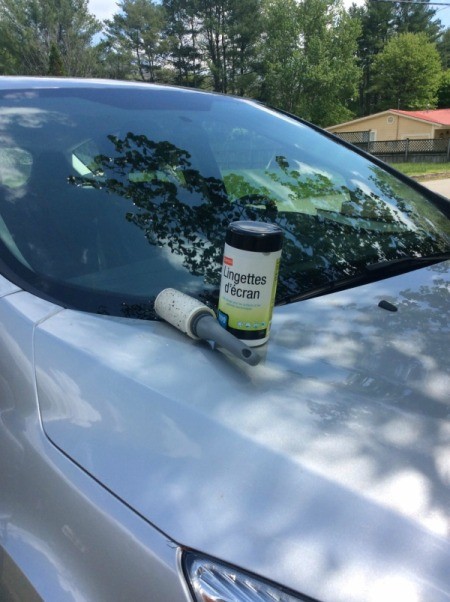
137	463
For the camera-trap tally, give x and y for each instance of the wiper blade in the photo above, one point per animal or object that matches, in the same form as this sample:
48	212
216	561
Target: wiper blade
407	262
371	273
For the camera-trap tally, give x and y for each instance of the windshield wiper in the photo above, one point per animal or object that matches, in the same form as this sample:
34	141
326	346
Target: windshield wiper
370	273
408	261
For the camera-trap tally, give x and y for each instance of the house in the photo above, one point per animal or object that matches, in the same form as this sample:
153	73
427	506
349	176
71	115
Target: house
394	124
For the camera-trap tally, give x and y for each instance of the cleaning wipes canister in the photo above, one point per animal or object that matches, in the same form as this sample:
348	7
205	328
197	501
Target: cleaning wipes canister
249	279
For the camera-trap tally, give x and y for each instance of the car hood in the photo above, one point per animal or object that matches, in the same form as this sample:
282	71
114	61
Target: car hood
325	468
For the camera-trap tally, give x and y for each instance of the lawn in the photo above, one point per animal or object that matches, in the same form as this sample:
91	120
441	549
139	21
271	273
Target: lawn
424	171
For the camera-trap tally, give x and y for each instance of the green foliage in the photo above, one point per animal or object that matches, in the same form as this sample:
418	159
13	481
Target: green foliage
245	30
7	60
183	31
309	58
443	46
136	34
214	43
55	67
424	169
112	63
407	73
282	56
444	91
29	30
376	20
416	18
230	30
380	22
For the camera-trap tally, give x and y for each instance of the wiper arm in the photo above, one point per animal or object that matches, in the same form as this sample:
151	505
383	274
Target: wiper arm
406	262
369	273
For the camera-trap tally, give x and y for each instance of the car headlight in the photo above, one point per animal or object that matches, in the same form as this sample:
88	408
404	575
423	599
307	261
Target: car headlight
214	581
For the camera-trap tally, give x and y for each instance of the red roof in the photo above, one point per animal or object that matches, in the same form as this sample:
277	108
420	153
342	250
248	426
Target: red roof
440	116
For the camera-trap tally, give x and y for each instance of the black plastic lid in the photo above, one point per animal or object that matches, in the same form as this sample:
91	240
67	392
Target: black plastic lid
255	236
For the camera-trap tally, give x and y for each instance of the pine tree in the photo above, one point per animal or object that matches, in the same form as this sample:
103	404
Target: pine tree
29	29
137	32
443	46
416	18
376	20
183	34
55	65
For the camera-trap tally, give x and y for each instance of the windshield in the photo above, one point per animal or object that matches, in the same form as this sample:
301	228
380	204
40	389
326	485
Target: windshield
110	194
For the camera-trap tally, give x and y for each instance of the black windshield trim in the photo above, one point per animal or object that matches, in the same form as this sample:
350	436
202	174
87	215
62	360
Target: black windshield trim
76	297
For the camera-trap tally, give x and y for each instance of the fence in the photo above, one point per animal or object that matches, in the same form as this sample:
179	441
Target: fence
395	151
356	138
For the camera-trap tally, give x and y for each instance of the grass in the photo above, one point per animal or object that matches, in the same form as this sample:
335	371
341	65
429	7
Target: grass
424	171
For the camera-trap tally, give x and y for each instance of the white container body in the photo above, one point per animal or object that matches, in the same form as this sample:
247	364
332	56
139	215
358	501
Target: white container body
247	293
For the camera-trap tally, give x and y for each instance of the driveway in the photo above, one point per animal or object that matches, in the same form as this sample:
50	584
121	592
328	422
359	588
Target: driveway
440	186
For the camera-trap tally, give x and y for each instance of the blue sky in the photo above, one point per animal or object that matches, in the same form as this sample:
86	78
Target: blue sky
104	9
444	15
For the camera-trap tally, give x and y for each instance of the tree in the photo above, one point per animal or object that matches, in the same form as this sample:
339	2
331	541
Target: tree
411	17
407	73
137	32
245	32
183	33
113	63
376	20
282	55
214	16
310	59
55	66
380	22
443	46
444	91
231	30
30	29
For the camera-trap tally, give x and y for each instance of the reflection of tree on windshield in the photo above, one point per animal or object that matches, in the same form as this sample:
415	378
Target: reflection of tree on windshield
430	222
331	231
173	204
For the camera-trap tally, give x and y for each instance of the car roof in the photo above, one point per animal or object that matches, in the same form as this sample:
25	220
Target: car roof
15	82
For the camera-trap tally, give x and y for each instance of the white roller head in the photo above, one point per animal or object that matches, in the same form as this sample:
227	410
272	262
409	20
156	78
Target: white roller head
180	310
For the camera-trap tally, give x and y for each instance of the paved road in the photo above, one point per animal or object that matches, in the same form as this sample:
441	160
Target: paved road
440	186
